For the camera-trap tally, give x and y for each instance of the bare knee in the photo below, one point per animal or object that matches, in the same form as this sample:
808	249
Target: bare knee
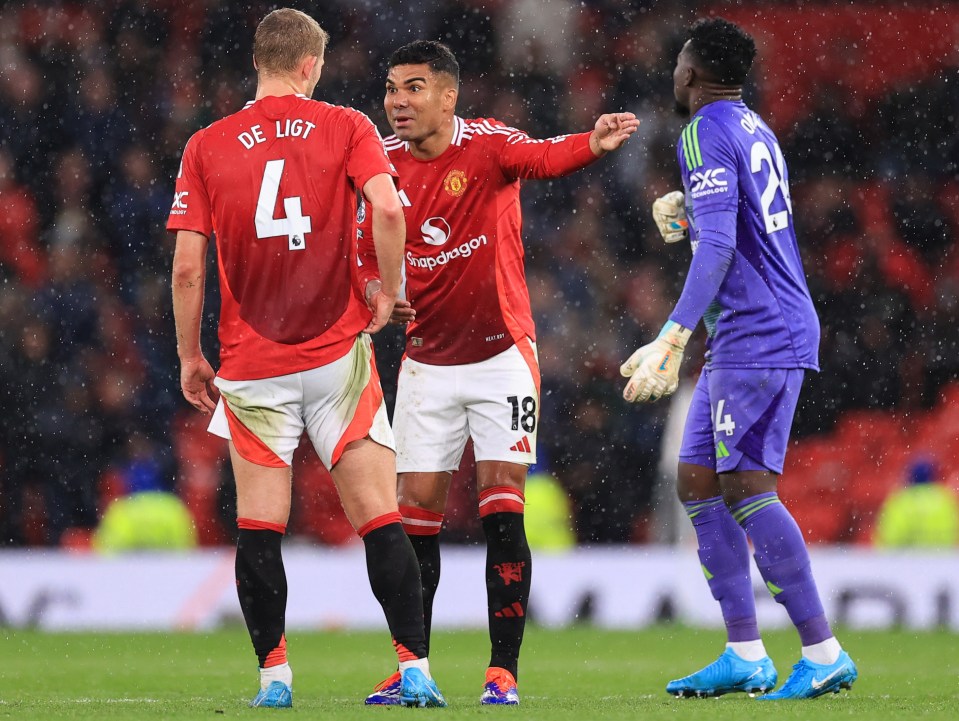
696	483
428	491
492	474
740	485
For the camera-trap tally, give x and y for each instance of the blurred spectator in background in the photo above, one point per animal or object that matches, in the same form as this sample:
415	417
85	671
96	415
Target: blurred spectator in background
923	514
27	132
826	142
98	121
30	397
145	521
548	513
137	206
144	514
20	253
920	221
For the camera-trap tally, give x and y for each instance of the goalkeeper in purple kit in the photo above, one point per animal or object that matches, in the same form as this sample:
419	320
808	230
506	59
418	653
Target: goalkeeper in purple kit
747	284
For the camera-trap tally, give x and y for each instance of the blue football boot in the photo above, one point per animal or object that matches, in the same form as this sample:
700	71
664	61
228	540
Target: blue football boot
727	674
418	691
276	695
809	680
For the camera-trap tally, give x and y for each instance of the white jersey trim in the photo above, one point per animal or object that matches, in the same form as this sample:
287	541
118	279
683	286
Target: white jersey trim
464	131
391	142
459	128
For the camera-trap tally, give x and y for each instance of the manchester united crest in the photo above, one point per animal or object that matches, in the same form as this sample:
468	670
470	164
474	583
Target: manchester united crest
455	183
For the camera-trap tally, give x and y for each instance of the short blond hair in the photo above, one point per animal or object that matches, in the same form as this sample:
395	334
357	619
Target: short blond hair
286	36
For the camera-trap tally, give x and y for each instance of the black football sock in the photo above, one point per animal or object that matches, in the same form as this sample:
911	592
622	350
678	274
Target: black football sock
395	580
427	550
508	567
261	587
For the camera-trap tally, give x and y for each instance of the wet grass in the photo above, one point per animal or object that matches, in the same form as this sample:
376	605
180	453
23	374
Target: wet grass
576	674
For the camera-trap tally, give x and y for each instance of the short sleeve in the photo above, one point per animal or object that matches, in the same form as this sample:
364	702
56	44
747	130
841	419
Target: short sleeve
191	202
367	156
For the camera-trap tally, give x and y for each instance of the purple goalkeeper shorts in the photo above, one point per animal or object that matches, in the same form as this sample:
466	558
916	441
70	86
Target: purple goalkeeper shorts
739	419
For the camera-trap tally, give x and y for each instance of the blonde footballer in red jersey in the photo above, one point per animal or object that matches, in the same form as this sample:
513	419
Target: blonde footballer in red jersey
276	184
236	177
470	370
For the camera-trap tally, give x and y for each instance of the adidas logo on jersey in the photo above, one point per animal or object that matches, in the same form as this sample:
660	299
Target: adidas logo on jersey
521	446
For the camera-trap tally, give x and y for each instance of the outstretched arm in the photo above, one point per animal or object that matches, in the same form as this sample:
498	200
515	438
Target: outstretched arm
526	157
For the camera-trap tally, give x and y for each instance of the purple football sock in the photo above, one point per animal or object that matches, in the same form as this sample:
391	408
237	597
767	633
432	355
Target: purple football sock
724	555
783	561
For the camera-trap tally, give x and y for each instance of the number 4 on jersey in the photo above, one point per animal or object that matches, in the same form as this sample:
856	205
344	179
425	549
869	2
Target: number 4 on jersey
295	225
723	423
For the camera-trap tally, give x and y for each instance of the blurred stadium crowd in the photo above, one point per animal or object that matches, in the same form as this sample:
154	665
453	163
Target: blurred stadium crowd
98	99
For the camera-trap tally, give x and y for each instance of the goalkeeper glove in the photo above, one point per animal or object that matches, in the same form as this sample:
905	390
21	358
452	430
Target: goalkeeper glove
653	370
669	212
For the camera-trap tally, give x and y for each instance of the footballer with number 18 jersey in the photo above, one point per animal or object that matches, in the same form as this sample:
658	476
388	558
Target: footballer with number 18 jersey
470	369
464	259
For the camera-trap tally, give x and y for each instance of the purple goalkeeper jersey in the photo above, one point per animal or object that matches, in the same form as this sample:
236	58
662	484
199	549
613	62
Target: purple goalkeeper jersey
746	277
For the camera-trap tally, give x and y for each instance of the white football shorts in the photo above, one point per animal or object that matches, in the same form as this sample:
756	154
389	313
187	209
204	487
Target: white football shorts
495	402
336	403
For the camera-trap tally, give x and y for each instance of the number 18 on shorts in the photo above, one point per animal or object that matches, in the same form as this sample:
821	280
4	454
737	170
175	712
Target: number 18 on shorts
438	408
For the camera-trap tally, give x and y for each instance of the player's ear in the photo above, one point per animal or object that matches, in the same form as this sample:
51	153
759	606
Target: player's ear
309	65
449	97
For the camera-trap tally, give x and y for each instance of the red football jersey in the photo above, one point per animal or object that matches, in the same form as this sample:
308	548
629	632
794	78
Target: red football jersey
276	184
464	259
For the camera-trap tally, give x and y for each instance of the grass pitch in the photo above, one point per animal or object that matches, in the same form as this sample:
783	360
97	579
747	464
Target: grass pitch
580	673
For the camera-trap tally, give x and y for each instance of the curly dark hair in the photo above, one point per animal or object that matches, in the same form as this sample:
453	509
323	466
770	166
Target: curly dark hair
436	55
724	49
